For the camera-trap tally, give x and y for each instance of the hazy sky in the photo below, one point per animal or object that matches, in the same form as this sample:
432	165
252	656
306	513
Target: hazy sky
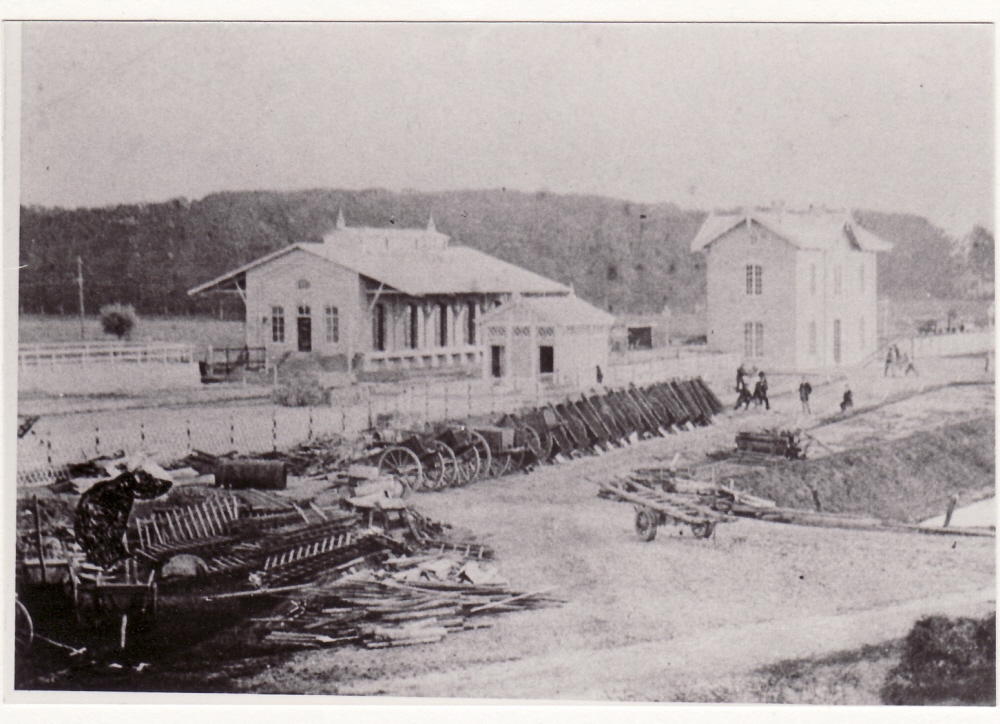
891	117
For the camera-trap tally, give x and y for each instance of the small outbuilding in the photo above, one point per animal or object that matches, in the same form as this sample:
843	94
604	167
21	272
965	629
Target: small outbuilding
561	340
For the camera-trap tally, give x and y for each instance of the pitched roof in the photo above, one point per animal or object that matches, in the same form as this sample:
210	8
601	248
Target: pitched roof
417	262
805	230
564	311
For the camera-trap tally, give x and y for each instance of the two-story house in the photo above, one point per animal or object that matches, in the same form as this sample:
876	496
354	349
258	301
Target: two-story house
791	290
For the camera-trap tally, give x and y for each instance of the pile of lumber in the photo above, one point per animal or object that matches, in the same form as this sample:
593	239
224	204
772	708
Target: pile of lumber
408	600
781	443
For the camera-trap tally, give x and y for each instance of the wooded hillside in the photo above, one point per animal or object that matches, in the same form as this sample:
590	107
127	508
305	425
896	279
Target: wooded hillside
619	255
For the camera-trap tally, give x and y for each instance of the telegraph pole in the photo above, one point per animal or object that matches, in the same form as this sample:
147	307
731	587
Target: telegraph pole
79	281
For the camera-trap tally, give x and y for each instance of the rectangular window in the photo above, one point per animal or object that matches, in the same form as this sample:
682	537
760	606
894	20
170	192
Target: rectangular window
496	360
812	279
861	277
546	360
443	319
812	338
757	282
748	340
758	339
332	325
471	324
277	324
749	278
836	280
378	328
413	327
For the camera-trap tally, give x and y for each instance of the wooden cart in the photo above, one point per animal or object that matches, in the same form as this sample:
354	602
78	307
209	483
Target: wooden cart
655	508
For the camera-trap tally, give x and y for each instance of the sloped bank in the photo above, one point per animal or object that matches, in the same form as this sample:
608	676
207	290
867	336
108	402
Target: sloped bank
905	480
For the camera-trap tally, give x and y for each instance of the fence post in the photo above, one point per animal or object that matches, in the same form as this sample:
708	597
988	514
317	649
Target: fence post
343	420
48	452
310	424
468	393
427	402
142	433
274	431
97	439
232	433
445	400
188	425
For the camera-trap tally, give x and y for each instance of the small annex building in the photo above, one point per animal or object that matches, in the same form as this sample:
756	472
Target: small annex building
560	340
375	300
791	290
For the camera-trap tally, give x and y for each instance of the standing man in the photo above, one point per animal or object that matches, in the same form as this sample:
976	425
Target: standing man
741	382
805	389
760	390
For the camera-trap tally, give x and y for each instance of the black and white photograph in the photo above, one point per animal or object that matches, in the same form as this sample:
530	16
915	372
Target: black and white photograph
590	362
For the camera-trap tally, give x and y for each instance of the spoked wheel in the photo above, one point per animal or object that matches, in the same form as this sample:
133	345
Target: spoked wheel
445	471
469	465
646	521
485	455
404	465
530	439
500	464
24	628
703	530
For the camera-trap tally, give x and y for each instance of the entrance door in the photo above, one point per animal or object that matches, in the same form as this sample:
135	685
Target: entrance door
836	341
496	360
305	330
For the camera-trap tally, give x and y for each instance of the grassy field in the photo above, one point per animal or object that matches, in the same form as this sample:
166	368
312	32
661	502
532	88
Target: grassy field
199	331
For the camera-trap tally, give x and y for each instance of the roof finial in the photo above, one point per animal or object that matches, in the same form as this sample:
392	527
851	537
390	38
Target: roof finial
341	224
430	224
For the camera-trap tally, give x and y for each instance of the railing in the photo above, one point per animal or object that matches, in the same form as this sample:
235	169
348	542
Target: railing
36	355
429	357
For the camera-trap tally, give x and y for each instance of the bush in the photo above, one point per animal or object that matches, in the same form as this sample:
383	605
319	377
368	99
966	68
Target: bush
300	393
118	319
946	661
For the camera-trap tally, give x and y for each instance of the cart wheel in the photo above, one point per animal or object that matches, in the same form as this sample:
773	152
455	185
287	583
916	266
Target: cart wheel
445	472
469	465
485	455
703	530
404	464
500	464
531	440
24	628
646	521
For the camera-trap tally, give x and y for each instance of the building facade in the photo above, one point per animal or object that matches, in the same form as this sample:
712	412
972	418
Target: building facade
559	340
791	291
374	300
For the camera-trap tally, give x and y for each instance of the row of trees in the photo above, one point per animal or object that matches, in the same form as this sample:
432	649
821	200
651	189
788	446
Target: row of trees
621	256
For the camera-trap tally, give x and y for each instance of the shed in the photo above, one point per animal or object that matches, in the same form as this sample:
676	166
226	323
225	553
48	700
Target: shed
561	340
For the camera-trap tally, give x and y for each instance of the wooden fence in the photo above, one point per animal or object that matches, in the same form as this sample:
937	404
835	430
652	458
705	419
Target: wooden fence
37	355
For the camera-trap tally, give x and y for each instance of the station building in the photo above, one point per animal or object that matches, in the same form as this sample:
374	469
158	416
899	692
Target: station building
375	300
791	290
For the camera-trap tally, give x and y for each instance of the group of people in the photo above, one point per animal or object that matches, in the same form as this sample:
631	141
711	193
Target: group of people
759	394
894	359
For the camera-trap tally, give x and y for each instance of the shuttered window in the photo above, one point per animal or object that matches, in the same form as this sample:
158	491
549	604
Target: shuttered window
277	324
332	325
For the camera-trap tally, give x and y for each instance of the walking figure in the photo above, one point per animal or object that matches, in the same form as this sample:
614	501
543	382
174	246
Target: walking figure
760	391
805	389
744	399
848	402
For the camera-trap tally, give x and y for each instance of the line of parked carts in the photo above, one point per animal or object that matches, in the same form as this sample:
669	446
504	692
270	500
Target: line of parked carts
456	454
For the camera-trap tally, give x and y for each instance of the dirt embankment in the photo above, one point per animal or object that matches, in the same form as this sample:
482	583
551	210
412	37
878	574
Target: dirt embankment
905	480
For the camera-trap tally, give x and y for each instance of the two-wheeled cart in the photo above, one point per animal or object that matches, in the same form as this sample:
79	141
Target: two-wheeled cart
655	508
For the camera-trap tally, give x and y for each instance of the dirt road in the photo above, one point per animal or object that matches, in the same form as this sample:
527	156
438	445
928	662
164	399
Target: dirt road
641	617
